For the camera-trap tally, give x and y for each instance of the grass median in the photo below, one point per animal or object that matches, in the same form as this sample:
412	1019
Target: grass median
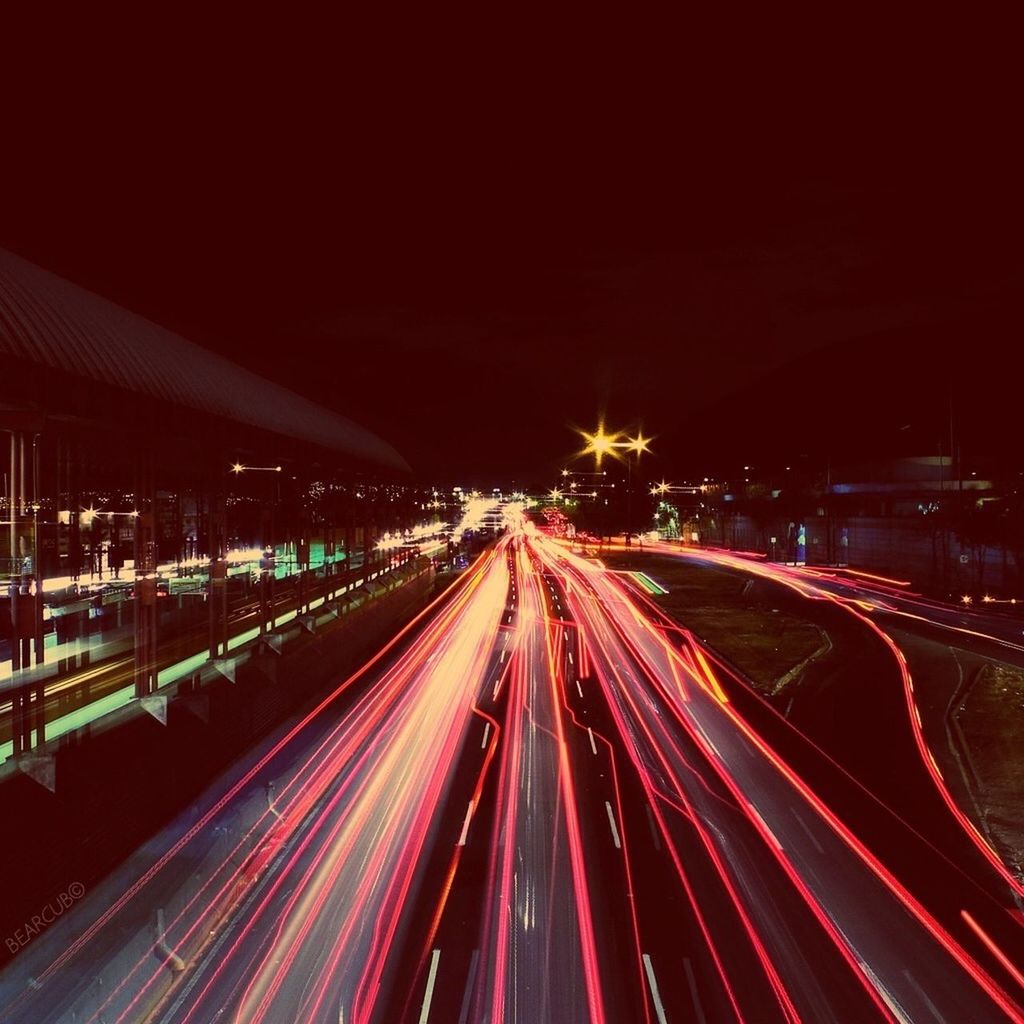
991	720
730	613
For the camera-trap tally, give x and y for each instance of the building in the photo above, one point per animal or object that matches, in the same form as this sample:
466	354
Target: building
155	493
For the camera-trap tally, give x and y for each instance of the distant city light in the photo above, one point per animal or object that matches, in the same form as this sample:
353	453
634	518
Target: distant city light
639	444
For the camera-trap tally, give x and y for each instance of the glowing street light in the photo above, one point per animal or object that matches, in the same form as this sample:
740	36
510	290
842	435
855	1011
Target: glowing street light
599	443
667	488
89	514
638	445
238	468
634	446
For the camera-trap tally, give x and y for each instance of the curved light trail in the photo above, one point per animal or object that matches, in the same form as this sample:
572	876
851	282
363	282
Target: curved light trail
537	806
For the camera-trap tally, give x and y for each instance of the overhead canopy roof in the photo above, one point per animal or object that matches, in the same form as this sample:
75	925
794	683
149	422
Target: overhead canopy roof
47	320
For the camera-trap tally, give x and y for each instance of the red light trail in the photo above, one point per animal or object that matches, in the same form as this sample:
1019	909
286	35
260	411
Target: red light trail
342	893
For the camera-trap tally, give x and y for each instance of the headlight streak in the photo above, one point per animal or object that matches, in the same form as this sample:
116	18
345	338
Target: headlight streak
715	759
306	785
311	902
594	997
967	879
492	749
690	643
1011	969
797	579
891	882
618	690
78	944
365	720
390	828
627	859
721	865
537	823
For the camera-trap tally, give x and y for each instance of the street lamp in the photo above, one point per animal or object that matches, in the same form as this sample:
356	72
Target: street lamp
634	446
600	443
666	488
237	468
89	514
638	445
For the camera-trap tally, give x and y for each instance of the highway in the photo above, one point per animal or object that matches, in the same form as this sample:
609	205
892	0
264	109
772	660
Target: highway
536	805
900	636
685	737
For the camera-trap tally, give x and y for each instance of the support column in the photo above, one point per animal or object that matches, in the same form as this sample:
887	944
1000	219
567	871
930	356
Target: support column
217	585
146	665
14	580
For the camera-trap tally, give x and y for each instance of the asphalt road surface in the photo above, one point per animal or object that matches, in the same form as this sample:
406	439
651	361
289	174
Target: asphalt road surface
541	807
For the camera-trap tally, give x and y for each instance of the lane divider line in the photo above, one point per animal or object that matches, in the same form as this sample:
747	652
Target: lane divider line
431	979
659	1007
614	827
465	825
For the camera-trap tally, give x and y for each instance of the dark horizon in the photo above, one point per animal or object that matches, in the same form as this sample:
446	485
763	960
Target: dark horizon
472	272
300	720
445	378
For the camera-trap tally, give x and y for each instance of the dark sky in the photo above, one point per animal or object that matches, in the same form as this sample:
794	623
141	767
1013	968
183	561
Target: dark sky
472	243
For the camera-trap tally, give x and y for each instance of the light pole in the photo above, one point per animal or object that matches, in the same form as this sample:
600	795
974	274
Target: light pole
600	444
238	469
268	564
634	446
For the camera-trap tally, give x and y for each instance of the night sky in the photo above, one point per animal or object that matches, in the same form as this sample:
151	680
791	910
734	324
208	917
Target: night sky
754	254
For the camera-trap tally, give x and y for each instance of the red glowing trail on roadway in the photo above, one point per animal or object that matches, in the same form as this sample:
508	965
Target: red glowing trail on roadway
583	699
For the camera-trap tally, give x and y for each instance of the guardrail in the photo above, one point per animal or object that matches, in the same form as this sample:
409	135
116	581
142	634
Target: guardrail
86	678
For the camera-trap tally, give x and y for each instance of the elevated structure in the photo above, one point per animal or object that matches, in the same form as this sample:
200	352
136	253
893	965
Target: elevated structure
51	323
161	507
